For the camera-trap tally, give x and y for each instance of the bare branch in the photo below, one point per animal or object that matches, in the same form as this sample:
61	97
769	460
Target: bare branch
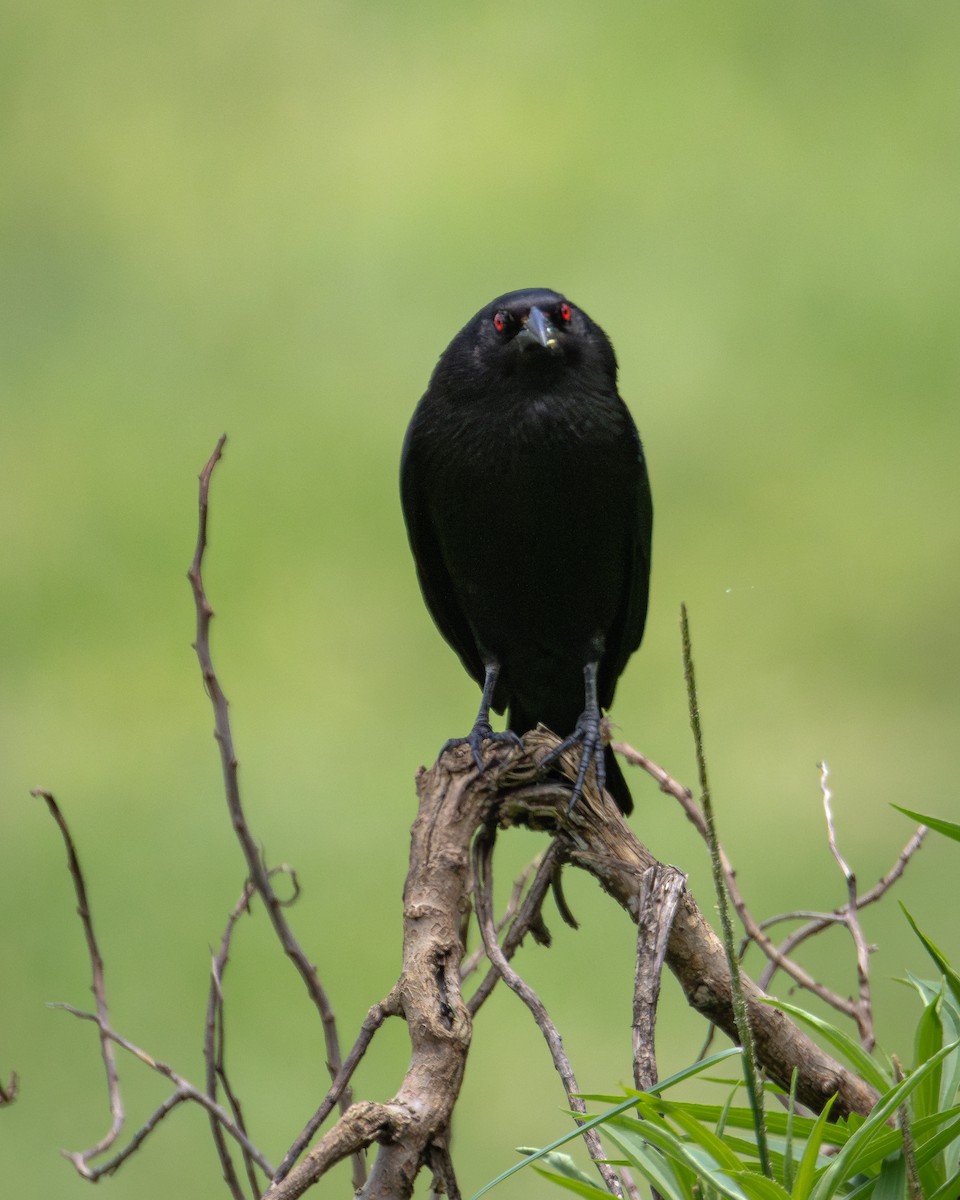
184	1091
455	800
444	1175
597	838
214	1052
528	920
472	961
819	921
98	988
388	1007
363	1124
778	955
228	758
483	900
862	1009
660	893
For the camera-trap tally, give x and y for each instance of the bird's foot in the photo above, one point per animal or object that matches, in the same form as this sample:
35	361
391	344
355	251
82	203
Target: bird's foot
480	733
588	735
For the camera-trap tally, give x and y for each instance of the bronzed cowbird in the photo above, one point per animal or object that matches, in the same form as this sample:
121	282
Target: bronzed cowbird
527	505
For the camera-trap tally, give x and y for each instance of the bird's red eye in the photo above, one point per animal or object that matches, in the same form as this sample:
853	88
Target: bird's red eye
500	320
565	312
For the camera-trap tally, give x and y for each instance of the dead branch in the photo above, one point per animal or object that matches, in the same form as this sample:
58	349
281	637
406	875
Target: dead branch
483	901
820	921
660	892
454	803
256	869
450	863
83	1158
597	838
184	1091
858	1010
214	1053
863	1007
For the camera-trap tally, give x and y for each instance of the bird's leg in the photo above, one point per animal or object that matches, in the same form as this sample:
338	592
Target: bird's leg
587	736
481	727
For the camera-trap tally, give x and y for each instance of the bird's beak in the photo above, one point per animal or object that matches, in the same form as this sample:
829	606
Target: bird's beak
538	330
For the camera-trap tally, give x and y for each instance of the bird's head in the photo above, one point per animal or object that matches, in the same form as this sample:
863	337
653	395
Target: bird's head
530	337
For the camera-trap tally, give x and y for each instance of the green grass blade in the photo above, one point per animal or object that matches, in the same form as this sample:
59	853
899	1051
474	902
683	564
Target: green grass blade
949	1191
952	978
630	1102
758	1187
948	828
807	1168
634	1148
927	1041
846	1162
851	1049
573	1183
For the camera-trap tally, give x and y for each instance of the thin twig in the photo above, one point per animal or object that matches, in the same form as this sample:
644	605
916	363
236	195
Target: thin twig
97	986
820	921
527	920
862	1010
473	960
483	889
388	1007
184	1091
630	1189
228	758
444	1174
214	1051
778	955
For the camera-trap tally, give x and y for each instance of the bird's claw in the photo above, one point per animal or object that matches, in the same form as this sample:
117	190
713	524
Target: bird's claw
589	737
480	733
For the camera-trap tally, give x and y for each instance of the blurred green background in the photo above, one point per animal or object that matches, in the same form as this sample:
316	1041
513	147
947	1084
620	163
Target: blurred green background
270	220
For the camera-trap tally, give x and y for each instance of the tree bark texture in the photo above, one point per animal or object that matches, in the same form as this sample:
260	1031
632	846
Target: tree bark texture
455	802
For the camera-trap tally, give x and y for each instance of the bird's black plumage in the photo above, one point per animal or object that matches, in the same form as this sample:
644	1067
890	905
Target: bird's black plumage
527	505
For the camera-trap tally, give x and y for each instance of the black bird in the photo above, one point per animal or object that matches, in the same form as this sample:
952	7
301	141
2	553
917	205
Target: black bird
527	505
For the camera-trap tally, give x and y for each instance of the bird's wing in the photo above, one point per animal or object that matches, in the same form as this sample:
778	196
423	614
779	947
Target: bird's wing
627	633
435	582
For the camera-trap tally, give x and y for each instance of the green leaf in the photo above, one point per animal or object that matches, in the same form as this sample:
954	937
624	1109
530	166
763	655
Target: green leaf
865	1066
847	1162
952	978
948	828
927	989
927	1041
806	1170
582	1188
561	1164
630	1102
758	1187
892	1180
671	1179
634	1148
715	1146
949	1191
